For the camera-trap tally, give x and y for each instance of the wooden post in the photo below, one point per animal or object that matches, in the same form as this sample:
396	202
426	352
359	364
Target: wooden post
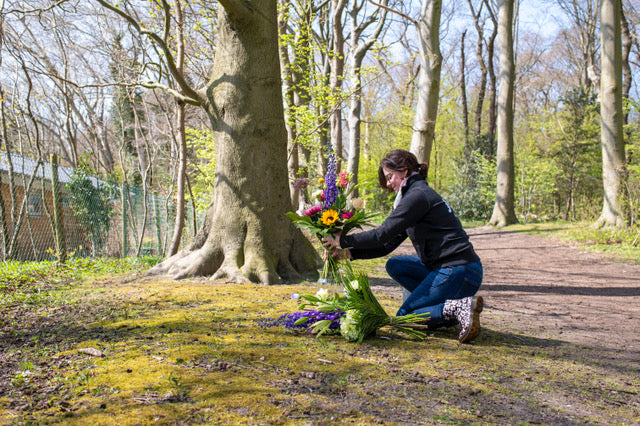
58	216
156	207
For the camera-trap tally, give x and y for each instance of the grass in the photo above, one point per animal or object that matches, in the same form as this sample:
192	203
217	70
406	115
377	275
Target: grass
105	345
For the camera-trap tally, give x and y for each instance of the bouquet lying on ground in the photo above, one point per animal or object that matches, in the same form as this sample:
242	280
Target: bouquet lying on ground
334	213
356	314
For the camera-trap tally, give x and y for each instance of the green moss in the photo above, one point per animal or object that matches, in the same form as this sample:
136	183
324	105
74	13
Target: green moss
192	352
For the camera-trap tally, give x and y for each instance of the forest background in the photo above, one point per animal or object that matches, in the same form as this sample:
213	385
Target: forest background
99	88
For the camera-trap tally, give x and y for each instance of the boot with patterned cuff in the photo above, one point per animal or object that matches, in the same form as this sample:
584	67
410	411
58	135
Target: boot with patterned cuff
467	312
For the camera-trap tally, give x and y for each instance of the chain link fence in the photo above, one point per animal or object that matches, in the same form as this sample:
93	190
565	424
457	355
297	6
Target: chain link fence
50	212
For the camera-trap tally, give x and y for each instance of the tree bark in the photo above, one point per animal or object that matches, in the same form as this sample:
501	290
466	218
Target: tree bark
613	155
428	27
504	208
246	235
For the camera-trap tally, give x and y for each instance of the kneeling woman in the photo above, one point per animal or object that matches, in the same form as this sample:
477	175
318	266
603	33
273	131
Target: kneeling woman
446	273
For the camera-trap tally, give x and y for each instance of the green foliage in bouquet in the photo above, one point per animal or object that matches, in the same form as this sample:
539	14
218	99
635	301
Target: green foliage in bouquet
363	313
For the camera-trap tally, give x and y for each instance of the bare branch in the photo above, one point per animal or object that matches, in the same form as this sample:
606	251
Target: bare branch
407	17
32	11
189	92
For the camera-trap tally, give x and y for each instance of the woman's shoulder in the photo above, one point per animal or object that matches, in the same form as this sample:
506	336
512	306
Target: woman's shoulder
422	186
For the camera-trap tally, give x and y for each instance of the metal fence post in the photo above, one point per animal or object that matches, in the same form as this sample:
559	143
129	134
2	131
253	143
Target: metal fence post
58	217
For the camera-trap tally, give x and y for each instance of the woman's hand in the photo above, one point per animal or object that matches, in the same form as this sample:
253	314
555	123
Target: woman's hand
331	242
338	254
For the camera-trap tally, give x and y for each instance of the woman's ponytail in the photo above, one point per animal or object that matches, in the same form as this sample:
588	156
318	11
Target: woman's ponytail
423	169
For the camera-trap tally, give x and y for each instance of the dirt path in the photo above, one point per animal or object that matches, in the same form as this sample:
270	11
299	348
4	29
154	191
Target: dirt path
547	289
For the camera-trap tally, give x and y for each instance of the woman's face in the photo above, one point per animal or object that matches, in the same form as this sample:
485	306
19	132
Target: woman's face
394	178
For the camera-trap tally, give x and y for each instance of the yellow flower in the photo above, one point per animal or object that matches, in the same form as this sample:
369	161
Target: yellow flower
329	217
321	180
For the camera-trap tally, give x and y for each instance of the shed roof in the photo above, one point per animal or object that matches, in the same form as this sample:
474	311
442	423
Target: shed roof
25	166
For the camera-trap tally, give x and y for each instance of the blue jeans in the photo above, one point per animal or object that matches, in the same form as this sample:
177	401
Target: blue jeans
430	288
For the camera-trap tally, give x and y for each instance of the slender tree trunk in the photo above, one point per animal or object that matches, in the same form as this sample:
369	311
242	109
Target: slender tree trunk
246	234
627	75
61	244
178	225
424	123
288	88
158	224
355	121
4	228
337	77
463	92
296	95
504	208
491	128
613	155
182	142
324	125
357	53
482	87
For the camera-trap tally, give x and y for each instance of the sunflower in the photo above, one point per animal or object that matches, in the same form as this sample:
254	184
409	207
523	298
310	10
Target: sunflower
329	217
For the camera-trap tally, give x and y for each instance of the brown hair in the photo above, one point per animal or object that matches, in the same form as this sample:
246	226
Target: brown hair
400	160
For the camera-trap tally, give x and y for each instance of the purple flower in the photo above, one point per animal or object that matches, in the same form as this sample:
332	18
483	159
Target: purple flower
289	320
331	193
301	183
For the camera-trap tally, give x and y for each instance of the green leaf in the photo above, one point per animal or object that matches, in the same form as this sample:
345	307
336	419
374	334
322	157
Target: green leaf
301	321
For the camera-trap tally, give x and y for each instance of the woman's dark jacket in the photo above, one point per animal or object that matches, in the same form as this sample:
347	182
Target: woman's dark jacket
428	221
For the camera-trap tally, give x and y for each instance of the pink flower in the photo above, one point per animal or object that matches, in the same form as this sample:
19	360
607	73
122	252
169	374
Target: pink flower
344	179
312	210
347	215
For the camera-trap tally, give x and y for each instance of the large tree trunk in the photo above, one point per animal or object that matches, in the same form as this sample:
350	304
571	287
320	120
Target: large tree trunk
424	123
246	234
504	208
613	155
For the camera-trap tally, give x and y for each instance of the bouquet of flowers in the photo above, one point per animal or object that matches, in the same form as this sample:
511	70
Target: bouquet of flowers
334	213
356	314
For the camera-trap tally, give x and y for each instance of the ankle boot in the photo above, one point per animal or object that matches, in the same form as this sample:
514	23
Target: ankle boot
467	312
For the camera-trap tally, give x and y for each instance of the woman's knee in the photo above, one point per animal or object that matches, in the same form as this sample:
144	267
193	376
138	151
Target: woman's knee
392	266
399	265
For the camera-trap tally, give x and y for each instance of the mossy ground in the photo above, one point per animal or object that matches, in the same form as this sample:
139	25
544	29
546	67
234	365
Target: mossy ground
191	352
